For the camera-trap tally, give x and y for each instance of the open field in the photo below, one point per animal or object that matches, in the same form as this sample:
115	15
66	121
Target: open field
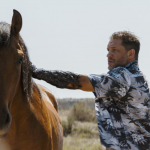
79	123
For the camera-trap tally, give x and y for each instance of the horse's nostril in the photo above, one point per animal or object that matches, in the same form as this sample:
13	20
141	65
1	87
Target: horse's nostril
7	121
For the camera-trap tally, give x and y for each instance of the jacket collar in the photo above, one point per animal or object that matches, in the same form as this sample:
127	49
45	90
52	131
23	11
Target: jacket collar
133	66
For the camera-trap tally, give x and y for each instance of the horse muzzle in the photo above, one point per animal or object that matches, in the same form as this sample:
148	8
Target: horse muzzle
5	121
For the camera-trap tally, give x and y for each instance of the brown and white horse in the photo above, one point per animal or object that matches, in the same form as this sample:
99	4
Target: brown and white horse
28	112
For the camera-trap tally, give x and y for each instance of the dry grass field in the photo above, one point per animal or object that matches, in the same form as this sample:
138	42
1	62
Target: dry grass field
79	124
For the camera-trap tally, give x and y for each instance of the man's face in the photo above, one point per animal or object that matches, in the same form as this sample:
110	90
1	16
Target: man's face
117	54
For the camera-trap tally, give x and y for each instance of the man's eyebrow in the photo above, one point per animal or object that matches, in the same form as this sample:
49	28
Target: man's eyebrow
113	47
110	47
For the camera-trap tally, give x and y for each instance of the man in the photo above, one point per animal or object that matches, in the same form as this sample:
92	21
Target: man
122	95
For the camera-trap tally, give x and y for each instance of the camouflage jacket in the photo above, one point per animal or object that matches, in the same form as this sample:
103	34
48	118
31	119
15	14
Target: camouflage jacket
123	108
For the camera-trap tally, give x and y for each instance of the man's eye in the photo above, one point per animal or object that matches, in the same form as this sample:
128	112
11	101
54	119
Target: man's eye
114	50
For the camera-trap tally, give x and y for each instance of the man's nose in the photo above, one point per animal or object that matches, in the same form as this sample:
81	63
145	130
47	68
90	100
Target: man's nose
109	55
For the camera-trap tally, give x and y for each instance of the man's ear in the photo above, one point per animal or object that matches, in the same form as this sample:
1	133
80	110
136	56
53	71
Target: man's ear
131	53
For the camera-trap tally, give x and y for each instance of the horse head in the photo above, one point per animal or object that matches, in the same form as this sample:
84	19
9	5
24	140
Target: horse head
11	56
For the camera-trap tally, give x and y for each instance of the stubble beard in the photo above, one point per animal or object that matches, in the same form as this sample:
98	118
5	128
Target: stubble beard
119	63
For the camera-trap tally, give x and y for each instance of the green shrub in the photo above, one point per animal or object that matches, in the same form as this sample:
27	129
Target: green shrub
85	132
67	125
81	112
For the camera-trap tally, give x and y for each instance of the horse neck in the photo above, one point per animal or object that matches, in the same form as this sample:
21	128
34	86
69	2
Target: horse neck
24	112
19	104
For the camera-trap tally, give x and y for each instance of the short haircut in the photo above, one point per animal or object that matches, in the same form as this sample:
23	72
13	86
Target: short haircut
129	41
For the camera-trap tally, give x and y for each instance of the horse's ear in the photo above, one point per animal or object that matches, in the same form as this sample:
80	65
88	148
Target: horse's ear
16	23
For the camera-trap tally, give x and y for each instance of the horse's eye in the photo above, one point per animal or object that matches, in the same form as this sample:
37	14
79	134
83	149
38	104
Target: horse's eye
20	60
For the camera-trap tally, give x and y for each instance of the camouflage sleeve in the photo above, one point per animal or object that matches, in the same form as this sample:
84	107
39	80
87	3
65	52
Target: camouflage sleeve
115	83
60	79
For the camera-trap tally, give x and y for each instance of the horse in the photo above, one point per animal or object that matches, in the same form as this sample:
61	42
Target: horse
28	111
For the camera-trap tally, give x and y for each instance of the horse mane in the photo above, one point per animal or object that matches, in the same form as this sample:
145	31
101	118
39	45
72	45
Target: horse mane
4	33
26	74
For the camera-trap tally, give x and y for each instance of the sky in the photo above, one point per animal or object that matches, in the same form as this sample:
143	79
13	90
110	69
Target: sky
72	35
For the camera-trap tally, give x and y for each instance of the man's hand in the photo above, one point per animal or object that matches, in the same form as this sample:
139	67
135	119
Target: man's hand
85	83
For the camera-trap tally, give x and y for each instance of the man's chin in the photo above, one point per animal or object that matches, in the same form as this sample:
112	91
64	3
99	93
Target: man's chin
110	67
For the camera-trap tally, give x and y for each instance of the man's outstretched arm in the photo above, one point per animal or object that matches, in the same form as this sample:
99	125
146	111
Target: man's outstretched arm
62	79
